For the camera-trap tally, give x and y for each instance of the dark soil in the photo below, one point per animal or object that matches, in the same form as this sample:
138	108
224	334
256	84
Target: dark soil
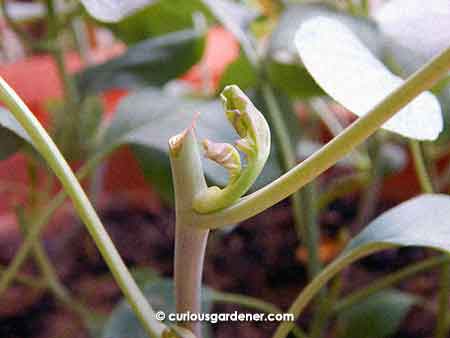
258	258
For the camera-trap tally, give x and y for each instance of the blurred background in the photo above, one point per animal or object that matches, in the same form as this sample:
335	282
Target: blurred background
111	93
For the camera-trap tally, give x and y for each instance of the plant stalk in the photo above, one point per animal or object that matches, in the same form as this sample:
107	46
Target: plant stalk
320	281
444	280
47	148
389	280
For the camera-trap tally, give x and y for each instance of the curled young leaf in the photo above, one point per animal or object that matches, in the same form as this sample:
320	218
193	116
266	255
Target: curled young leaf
350	74
113	10
254	142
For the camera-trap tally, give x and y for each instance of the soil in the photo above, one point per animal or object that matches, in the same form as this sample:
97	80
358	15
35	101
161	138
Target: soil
259	258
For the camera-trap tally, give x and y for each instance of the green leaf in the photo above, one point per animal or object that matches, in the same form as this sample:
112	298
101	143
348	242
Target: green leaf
285	69
378	316
123	322
151	62
144	275
156	169
292	79
12	135
149	117
421	221
161	17
239	72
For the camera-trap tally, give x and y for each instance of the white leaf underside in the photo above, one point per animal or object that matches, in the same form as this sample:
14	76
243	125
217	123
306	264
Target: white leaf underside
113	10
421	26
351	75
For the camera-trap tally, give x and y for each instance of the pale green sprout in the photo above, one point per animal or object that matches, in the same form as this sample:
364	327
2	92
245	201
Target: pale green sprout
254	142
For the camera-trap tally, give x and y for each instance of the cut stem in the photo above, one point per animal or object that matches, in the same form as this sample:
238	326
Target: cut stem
190	241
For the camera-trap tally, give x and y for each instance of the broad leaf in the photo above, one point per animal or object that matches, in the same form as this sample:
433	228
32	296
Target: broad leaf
350	74
417	30
285	68
295	15
421	221
113	10
150	117
151	62
378	316
12	134
160	294
159	18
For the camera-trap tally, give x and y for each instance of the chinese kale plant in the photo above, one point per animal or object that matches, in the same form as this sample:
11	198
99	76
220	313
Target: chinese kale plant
336	60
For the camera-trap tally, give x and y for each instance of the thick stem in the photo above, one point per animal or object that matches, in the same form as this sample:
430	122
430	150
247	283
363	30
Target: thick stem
47	148
190	241
333	151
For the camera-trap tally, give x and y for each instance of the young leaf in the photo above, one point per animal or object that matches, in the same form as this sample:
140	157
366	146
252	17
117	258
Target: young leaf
254	142
350	74
378	316
113	10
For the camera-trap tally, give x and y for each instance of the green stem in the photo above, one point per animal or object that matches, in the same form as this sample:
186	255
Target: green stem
33	234
420	165
58	289
371	195
444	280
388	281
443	295
30	238
322	278
320	322
27	280
303	202
47	148
252	303
337	148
